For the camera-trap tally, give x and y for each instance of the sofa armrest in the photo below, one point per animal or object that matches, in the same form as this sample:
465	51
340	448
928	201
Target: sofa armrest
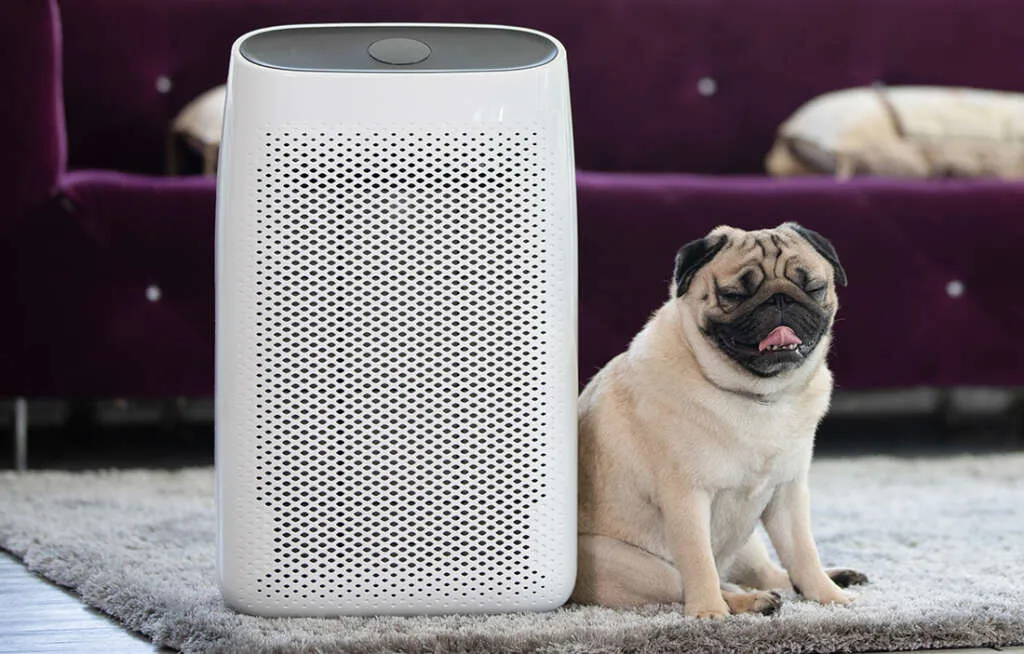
33	151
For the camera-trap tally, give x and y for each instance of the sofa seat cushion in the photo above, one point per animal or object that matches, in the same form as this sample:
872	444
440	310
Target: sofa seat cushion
117	288
116	291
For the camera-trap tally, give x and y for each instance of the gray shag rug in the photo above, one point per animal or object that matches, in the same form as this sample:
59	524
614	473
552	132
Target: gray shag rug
941	539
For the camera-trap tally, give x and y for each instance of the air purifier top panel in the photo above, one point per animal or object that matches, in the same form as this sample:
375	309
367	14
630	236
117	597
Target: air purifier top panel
398	48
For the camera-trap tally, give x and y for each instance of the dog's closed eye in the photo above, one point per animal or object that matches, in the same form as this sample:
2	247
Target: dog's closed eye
733	296
816	290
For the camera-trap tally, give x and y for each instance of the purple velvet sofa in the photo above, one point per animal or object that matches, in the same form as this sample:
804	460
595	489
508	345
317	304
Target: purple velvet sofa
108	266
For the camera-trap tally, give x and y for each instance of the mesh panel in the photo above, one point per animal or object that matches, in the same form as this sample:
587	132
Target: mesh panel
401	305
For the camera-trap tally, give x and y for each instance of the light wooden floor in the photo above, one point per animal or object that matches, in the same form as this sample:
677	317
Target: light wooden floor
38	616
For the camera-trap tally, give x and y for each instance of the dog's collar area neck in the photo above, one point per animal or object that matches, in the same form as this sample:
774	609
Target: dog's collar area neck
766	400
760	399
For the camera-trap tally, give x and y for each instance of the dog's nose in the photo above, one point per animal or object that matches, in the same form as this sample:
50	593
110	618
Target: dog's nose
782	300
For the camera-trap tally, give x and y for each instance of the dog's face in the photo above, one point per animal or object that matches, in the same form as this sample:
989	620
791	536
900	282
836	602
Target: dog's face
765	300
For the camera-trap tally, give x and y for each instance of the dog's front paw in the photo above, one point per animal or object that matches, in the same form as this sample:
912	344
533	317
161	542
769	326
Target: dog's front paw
762	602
709	609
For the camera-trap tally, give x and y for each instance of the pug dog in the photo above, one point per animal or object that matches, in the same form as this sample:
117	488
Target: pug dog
705	426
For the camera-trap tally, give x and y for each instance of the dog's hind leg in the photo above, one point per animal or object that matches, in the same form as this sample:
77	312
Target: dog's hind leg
844	577
616	574
753	568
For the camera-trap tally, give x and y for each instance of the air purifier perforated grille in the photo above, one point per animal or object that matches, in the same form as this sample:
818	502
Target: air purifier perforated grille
402	316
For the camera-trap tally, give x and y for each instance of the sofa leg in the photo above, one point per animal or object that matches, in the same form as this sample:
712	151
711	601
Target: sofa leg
21	433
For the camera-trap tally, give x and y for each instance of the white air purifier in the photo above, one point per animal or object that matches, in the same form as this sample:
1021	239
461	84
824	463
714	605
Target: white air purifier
396	322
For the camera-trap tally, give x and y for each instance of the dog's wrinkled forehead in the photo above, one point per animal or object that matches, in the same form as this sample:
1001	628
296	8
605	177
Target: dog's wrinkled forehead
743	261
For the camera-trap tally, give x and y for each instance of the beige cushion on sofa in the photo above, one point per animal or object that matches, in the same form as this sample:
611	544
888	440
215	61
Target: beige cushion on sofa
909	131
197	128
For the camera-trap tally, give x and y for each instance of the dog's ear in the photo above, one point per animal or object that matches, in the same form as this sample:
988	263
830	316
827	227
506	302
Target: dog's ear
823	247
692	257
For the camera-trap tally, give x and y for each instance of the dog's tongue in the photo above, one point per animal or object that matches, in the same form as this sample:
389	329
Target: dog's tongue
781	335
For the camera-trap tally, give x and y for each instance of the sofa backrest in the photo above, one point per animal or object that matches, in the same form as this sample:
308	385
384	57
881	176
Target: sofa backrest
657	85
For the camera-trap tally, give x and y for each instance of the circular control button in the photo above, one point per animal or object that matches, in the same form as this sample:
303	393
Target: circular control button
399	51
